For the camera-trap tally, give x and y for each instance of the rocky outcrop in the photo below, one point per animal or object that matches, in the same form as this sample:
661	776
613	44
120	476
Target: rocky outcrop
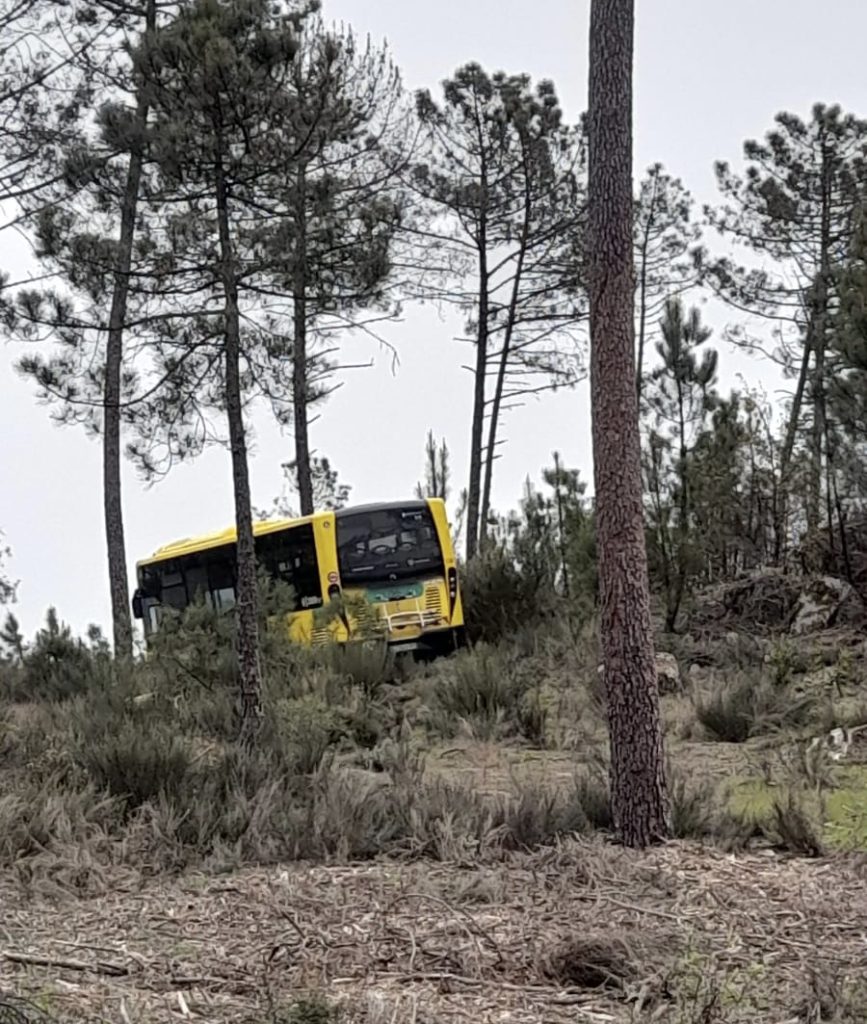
772	602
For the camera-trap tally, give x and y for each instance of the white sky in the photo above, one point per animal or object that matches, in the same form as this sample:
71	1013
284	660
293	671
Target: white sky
708	75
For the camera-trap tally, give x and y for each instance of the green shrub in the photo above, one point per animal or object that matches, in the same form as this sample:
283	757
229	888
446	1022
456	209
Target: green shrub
313	1009
478	687
592	795
366	664
794	826
139	761
306	729
498	599
56	666
750	704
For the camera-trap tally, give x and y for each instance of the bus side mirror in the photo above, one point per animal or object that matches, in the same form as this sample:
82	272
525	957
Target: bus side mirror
137	607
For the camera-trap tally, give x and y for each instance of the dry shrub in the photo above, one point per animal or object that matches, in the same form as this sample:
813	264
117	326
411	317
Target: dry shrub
793	827
595	960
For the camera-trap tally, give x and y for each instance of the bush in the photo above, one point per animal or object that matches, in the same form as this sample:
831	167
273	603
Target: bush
369	665
749	705
56	666
478	688
498	599
138	762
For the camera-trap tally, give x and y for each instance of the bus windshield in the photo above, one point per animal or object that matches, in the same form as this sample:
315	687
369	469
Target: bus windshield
383	544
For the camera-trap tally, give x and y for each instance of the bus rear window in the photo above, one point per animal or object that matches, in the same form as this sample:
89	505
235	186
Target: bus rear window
383	544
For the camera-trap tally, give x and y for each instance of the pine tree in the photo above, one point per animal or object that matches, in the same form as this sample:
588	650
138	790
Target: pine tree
502	177
638	791
794	205
7	587
338	204
85	223
437	473
215	81
680	396
329	493
45	88
666	240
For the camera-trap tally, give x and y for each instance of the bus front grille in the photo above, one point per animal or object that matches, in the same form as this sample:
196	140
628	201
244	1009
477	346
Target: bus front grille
432	601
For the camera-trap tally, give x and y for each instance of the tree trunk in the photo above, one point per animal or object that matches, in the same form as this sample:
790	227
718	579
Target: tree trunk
781	507
480	379
508	334
638	791
820	320
299	349
642	293
111	441
561	531
246	609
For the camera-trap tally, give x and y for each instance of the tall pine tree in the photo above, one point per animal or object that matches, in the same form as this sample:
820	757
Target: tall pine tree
638	790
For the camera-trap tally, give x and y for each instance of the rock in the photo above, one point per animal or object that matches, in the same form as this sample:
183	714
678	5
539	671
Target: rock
698	674
668	673
825	601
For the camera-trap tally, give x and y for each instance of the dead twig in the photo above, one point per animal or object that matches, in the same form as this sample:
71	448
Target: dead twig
112	970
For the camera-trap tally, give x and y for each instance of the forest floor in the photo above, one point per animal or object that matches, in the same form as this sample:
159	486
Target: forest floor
584	931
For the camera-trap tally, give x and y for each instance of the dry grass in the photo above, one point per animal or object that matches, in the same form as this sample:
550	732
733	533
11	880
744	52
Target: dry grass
581	932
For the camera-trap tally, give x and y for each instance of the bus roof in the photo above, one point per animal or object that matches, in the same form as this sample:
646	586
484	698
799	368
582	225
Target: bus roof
190	545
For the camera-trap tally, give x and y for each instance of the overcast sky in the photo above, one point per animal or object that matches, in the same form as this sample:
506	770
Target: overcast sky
708	75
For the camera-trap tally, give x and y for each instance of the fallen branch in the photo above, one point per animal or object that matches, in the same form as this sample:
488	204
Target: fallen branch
36	960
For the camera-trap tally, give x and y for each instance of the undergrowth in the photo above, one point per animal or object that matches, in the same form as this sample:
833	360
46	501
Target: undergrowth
104	763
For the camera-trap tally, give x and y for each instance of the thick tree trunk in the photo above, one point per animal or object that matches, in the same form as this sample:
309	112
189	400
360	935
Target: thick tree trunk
111	441
474	529
246	610
638	791
299	350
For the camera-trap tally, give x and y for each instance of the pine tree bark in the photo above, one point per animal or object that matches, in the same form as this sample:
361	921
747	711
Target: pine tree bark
638	791
299	349
112	387
474	491
246	609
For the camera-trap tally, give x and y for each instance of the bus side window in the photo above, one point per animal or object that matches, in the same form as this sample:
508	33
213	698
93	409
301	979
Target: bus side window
174	592
221	578
290	555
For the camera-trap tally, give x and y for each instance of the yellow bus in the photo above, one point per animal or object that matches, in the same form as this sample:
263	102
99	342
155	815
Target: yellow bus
399	556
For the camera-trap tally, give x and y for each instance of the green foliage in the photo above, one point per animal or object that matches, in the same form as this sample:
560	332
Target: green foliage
665	238
748	704
313	1009
329	493
7	587
481	689
139	761
794	825
680	394
538	564
55	666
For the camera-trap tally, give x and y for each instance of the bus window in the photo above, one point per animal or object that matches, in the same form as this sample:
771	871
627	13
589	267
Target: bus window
174	591
290	555
221	576
387	544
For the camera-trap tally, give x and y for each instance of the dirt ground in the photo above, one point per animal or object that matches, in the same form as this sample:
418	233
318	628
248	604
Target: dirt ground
584	932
